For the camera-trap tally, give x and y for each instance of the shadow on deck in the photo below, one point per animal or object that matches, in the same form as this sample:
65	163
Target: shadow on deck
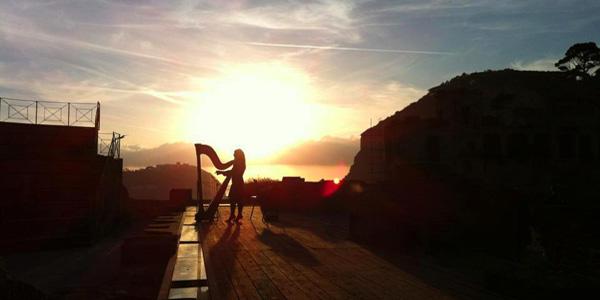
303	257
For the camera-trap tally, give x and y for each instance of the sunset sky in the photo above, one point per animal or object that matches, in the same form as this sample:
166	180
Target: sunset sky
267	75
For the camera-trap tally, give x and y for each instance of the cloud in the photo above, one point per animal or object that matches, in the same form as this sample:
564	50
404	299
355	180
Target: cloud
17	32
142	60
435	5
349	48
326	151
378	95
544	64
332	20
362	103
136	157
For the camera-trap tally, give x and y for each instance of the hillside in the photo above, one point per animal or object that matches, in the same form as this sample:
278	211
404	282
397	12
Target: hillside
155	182
506	100
506	160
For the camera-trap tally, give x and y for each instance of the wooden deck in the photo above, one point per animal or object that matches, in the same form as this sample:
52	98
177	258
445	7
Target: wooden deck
299	257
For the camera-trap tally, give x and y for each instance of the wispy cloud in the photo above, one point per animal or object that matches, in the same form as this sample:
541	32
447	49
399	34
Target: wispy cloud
326	151
350	48
15	32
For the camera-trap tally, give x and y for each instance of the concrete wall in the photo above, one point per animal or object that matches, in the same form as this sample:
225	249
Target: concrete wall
28	142
54	185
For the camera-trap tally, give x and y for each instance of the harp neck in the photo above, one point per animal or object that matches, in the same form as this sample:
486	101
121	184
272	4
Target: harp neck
214	158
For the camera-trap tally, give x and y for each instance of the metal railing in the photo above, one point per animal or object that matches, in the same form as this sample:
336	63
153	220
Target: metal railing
63	114
109	144
49	112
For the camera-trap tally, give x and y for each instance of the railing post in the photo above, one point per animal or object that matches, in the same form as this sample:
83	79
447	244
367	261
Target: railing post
111	148
119	147
68	113
113	144
36	109
97	124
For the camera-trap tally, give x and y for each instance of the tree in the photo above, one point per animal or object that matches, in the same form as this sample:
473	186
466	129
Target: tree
582	59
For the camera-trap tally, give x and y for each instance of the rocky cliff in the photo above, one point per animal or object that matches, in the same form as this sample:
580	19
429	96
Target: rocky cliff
506	101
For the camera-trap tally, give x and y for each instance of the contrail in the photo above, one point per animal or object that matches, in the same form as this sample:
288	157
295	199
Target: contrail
349	48
76	43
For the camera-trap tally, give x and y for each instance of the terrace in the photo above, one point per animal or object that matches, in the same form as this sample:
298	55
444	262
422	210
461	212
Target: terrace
64	114
299	257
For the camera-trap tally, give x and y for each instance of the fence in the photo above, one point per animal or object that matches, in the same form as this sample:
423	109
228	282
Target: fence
109	144
49	112
63	114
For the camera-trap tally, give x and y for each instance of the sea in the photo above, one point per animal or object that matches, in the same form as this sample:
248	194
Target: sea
308	172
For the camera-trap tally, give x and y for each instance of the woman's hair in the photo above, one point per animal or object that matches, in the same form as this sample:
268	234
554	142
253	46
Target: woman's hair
239	157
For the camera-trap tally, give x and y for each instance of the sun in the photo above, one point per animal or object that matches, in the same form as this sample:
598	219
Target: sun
260	108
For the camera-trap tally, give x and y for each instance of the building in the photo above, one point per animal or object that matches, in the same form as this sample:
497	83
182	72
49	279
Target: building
61	177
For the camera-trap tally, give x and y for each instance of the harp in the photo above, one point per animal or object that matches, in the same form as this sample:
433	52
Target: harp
214	204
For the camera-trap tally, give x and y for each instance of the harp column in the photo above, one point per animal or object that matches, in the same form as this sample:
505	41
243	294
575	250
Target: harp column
199	182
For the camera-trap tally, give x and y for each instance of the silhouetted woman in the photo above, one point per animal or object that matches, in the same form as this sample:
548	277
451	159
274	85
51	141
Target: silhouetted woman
236	193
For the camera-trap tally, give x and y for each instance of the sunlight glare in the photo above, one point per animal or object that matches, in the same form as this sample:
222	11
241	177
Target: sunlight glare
260	108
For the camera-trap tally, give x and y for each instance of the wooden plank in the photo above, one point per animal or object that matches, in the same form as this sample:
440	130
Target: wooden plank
448	280
304	267
288	241
222	258
218	278
220	286
302	257
241	281
283	283
375	280
261	281
340	276
308	239
298	278
388	279
282	242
